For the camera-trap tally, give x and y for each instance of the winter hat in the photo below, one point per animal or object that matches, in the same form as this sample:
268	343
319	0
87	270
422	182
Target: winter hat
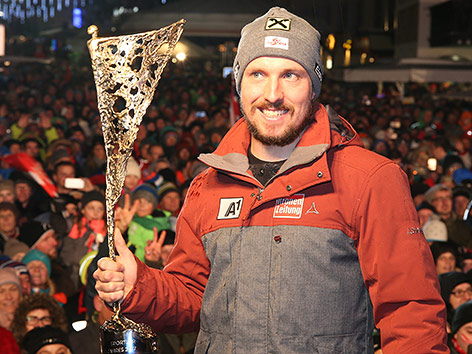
462	316
426	205
461	190
166	188
461	175
167	132
435	229
448	281
32	231
280	33
37	338
438	248
13	247
133	168
147	192
9	276
35	255
91	196
6	262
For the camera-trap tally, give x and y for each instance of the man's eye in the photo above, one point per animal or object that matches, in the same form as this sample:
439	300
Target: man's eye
257	75
290	76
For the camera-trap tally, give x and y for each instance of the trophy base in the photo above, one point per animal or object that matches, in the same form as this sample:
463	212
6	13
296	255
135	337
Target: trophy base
124	336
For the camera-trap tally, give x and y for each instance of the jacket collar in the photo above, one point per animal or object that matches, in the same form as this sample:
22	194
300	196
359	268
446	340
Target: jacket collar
326	131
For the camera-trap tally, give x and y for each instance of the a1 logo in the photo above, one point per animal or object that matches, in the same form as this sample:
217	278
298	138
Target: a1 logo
230	208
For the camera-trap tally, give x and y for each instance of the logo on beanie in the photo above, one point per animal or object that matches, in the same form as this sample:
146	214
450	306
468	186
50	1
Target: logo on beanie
278	23
276	42
318	72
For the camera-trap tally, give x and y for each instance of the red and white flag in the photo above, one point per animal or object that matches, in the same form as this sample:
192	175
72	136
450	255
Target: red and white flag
25	163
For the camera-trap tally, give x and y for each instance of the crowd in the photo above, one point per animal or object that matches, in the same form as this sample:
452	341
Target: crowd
49	245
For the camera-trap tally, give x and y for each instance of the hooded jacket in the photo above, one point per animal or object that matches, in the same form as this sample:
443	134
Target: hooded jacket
305	264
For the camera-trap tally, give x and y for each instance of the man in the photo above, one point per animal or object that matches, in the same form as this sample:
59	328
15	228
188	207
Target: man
440	197
456	289
295	229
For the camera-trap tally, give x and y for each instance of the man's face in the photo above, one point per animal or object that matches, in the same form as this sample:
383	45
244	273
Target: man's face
48	244
32	148
460	294
442	201
464	336
276	97
62	173
23	191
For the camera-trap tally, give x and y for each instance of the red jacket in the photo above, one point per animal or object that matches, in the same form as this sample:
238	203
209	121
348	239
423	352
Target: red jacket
303	263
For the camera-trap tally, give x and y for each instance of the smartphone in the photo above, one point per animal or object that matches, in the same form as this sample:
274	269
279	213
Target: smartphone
200	114
74	183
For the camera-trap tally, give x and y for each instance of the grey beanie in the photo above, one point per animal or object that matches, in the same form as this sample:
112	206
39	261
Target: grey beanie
280	33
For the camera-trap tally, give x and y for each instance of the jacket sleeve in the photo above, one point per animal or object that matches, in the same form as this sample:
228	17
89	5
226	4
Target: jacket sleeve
170	300
398	267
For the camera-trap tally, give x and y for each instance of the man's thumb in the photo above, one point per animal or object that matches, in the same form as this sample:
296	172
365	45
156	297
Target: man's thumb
120	245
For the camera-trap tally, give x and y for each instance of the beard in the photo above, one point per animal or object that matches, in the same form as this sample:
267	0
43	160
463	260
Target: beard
291	132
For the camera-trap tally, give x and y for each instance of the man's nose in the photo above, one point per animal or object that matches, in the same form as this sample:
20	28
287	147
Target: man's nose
273	91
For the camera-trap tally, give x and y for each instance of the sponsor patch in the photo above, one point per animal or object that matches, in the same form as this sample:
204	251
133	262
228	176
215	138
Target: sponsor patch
415	230
278	23
276	42
290	207
230	208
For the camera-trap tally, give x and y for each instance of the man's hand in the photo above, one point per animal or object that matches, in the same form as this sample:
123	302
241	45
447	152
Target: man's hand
116	279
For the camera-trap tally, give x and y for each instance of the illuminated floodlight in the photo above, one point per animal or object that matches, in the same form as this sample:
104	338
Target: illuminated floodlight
181	56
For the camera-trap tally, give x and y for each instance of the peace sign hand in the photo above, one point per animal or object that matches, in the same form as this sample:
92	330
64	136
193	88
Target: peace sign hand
154	248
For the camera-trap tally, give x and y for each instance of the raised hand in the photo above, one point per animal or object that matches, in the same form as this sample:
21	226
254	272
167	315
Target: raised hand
153	250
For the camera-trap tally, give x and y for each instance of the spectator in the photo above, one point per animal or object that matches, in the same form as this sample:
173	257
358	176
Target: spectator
87	233
142	217
7	191
21	271
46	340
425	210
456	289
37	310
169	198
461	330
440	197
8	223
445	256
10	296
